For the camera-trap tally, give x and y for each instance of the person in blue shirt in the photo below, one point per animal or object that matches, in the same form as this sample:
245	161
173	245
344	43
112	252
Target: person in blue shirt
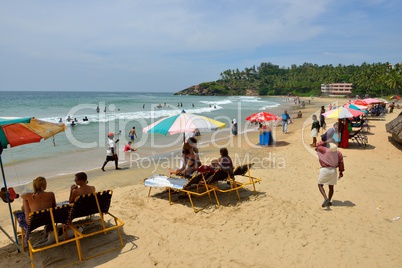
285	121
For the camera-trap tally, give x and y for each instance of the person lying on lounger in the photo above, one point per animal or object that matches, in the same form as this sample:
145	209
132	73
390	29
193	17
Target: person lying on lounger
190	164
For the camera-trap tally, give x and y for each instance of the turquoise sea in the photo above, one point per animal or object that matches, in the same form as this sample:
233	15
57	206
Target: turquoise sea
82	147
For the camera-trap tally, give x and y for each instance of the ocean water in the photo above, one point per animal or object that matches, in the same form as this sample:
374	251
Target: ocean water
82	147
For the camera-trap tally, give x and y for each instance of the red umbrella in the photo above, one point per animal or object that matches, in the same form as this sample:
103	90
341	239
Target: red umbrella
360	102
262	117
372	101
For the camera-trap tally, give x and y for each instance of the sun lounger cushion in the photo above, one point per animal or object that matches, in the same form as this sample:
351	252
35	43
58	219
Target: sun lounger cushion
161	181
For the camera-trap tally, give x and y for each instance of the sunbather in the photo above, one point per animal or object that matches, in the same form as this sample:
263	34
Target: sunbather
80	187
39	199
224	162
190	164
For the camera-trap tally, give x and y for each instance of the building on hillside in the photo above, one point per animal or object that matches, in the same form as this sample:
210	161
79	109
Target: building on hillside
337	89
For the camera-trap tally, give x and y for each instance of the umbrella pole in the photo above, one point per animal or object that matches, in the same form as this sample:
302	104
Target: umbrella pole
9	207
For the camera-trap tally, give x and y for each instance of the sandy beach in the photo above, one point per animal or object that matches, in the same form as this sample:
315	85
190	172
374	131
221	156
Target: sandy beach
282	225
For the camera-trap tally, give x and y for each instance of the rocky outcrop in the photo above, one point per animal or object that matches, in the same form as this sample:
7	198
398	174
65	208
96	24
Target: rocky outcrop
206	89
395	128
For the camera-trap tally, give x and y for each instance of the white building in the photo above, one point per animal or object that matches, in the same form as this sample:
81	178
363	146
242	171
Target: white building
337	89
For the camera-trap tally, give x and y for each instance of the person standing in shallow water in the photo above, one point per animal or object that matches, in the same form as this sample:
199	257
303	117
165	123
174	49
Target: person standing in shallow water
111	154
132	134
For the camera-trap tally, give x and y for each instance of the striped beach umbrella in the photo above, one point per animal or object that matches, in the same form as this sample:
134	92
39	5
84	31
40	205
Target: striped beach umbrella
342	112
183	122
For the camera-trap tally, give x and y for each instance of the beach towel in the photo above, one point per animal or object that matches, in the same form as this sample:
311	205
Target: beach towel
162	181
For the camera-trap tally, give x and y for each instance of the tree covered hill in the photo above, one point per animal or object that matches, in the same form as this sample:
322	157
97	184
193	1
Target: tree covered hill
377	79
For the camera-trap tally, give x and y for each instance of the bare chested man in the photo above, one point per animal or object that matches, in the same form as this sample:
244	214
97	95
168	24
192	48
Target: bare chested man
80	187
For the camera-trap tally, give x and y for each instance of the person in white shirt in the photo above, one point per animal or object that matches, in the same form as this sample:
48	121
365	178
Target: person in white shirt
111	152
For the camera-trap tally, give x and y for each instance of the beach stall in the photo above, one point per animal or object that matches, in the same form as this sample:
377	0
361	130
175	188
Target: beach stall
266	133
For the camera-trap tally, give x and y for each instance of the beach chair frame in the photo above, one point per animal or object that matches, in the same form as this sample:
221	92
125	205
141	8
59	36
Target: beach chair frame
197	180
244	170
48	217
95	204
223	176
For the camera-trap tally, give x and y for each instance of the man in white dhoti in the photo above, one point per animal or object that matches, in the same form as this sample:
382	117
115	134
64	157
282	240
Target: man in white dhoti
330	159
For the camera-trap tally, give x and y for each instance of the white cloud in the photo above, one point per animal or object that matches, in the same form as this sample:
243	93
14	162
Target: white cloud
145	39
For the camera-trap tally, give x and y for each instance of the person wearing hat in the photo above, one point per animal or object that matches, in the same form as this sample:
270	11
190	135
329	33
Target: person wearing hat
329	158
111	152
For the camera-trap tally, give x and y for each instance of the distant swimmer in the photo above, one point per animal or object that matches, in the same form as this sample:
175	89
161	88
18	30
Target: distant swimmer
143	106
85	119
73	123
214	106
104	110
68	119
97	109
60	120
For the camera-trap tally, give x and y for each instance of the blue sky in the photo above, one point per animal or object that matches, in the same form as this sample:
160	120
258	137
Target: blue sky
166	46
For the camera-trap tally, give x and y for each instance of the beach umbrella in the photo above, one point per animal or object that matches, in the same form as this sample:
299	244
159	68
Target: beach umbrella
360	102
357	107
183	122
262	117
19	131
372	101
342	112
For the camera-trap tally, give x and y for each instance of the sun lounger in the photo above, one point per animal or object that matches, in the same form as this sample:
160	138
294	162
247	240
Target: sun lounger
95	204
182	185
220	179
48	217
244	170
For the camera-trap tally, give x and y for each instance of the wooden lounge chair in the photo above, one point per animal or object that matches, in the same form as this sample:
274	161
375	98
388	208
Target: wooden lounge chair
244	170
187	186
95	204
48	217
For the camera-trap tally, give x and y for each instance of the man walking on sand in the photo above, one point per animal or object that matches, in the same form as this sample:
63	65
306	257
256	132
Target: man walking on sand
330	159
111	152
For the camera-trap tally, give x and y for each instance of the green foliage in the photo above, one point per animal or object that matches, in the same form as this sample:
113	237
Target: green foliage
376	79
